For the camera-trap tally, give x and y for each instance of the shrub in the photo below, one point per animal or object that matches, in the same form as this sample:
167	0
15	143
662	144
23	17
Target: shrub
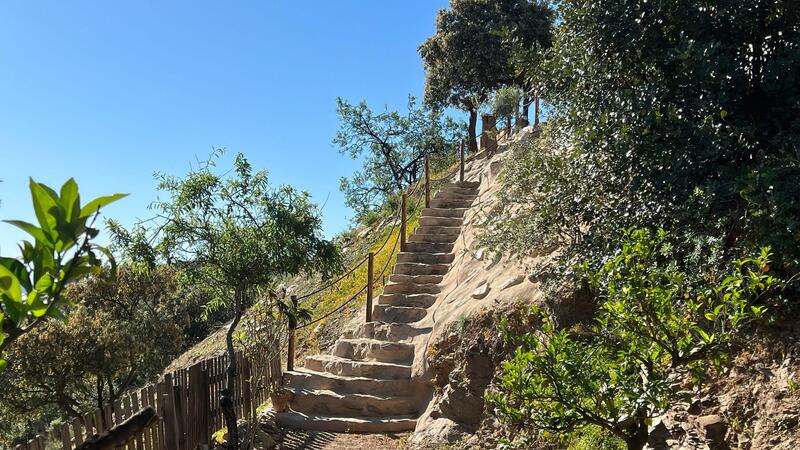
654	324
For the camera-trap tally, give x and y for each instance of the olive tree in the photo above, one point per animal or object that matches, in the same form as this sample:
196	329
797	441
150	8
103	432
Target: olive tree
392	146
236	235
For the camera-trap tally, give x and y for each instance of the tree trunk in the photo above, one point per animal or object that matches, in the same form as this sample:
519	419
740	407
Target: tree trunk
526	106
508	126
473	130
638	439
536	110
226	400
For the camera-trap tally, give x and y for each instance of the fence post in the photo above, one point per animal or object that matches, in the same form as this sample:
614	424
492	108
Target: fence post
402	221
427	183
461	171
370	261
292	327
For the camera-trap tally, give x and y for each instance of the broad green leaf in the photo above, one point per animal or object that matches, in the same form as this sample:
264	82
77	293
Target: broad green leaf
29	228
3	364
46	207
95	205
2	335
19	270
70	200
9	284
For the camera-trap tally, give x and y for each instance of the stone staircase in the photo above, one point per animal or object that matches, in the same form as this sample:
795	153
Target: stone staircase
365	384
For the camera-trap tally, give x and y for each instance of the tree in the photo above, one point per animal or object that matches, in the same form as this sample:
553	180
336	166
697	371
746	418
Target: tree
676	115
466	60
32	289
506	104
392	147
235	234
528	30
653	324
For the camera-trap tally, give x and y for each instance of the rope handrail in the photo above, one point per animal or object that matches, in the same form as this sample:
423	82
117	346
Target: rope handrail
330	284
339	308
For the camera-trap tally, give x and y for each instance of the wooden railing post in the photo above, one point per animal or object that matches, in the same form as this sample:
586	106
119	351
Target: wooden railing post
402	221
461	171
292	326
370	261
427	183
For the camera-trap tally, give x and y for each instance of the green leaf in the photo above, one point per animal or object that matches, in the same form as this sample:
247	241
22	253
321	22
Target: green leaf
19	270
95	205
46	207
70	200
29	228
9	284
3	364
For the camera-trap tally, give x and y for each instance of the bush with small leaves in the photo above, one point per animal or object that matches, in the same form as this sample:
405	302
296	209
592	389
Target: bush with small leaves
655	325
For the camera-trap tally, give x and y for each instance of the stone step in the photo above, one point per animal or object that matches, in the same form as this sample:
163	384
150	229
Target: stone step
455	196
411	300
411	288
421	269
433	238
398	314
449	231
443	212
426	258
361	349
307	379
351	368
395	332
452	187
441	221
364	405
416	279
443	247
446	203
466	184
316	422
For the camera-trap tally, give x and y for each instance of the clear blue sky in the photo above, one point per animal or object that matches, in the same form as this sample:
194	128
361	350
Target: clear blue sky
110	92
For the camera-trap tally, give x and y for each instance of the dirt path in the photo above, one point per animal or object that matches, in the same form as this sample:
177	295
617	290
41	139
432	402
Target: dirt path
311	440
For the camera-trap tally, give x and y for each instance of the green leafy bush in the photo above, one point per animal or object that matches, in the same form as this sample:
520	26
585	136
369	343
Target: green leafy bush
680	115
654	323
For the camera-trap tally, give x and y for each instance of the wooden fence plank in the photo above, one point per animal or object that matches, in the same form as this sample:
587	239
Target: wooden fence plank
169	414
66	440
180	416
77	430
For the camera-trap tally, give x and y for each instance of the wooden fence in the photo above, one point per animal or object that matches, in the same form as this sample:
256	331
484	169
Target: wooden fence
187	403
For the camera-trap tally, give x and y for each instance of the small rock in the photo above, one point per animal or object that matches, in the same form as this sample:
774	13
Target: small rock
482	291
512	282
480	254
714	428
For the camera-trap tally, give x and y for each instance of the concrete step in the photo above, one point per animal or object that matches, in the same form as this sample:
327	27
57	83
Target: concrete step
441	221
426	258
306	379
351	368
332	403
449	231
412	300
443	212
421	269
416	279
411	288
443	247
361	349
433	238
395	332
448	203
388	424
398	314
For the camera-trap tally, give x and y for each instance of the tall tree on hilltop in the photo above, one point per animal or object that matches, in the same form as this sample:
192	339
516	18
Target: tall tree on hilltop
528	31
467	59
